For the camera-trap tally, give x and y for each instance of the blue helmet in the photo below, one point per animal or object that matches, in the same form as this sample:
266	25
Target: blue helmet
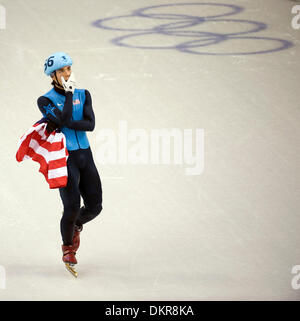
56	61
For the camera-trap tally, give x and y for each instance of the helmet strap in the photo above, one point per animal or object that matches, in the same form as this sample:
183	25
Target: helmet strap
56	83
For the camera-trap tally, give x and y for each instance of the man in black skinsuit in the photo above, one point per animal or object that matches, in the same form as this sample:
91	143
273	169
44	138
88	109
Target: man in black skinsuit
71	111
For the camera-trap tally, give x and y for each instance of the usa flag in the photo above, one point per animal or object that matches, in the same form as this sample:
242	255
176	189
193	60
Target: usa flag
49	150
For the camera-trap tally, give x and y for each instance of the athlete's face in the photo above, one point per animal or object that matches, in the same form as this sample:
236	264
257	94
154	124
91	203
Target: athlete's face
62	72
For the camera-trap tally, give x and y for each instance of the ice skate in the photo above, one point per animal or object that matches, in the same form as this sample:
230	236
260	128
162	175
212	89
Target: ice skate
70	268
69	258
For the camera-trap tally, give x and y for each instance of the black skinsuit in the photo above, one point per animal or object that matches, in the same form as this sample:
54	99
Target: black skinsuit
83	177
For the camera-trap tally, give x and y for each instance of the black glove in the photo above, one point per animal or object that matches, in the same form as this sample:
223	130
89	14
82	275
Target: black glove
51	126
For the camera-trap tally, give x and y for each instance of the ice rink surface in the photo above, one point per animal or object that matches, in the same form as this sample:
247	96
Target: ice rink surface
228	67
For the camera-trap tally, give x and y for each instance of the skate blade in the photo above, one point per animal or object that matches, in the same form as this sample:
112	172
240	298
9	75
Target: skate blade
71	269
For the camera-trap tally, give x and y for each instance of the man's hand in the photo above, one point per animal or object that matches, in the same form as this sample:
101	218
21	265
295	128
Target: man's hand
51	126
70	84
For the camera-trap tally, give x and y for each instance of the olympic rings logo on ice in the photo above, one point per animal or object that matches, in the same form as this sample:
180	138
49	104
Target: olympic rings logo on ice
187	26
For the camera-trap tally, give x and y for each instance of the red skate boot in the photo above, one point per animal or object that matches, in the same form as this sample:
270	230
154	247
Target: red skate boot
76	237
69	258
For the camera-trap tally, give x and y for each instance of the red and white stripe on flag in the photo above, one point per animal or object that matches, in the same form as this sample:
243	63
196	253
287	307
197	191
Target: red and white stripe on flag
49	150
